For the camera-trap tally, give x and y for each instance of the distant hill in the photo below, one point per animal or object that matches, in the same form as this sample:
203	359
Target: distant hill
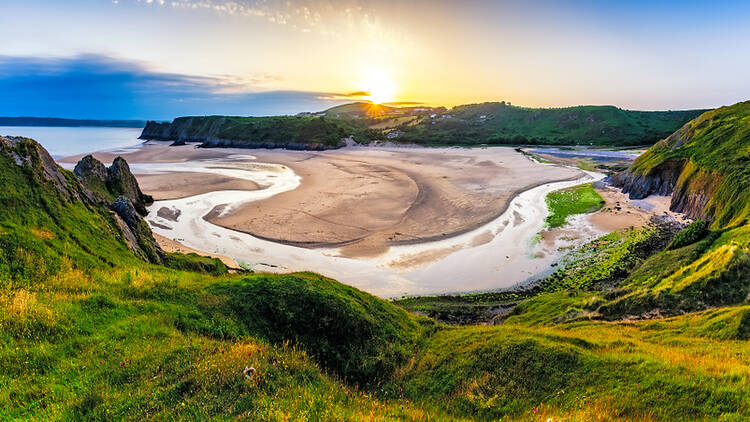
55	122
474	124
502	123
291	132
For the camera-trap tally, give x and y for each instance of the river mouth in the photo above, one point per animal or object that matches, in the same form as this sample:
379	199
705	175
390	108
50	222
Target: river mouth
504	252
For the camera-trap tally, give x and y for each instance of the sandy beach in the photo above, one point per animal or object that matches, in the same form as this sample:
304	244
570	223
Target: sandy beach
363	200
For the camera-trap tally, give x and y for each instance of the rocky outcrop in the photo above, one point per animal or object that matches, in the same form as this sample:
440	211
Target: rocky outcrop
117	180
660	181
91	171
136	231
121	182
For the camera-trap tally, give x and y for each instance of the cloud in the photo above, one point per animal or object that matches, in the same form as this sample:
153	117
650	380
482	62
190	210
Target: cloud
95	86
305	15
356	95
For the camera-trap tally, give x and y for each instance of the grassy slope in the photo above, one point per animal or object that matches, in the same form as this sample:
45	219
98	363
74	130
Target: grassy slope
715	146
584	125
576	200
714	269
111	337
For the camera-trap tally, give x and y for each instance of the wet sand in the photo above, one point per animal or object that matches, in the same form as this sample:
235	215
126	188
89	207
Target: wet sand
418	221
173	185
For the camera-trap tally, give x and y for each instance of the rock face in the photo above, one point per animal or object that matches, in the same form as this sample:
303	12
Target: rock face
91	171
136	231
120	181
691	189
660	182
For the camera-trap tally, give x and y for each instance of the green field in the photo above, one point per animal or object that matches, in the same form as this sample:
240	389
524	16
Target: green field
567	202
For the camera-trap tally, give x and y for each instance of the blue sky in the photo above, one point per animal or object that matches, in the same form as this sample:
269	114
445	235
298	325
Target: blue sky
161	59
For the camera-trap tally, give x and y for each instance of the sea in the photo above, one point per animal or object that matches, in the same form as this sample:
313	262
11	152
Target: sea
66	141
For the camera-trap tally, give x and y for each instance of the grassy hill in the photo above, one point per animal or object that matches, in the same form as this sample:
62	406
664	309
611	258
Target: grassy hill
501	123
706	164
90	331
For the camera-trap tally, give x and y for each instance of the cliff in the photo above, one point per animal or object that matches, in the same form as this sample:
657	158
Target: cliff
705	165
296	133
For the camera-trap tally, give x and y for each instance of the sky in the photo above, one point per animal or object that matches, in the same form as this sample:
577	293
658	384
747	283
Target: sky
159	59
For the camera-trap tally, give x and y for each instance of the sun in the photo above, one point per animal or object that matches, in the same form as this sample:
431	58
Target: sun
380	87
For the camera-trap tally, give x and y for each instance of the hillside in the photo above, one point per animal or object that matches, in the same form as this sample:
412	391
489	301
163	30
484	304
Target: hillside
467	125
298	133
57	122
501	123
101	332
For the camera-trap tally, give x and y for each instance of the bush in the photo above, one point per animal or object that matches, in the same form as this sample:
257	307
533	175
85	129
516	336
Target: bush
694	232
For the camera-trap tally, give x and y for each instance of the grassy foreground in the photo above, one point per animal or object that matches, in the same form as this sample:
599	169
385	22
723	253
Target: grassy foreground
90	332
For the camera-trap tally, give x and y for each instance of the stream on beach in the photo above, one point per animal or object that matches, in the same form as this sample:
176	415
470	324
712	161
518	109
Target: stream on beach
500	254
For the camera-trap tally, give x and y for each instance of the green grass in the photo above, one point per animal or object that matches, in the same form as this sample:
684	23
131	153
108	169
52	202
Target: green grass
90	332
197	263
567	202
